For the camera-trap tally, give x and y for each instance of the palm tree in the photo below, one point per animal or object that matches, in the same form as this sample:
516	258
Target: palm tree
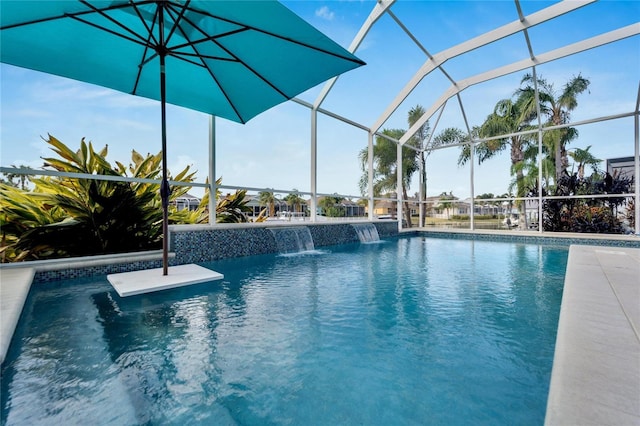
294	200
330	205
385	159
266	198
557	108
420	137
22	178
446	202
584	158
509	116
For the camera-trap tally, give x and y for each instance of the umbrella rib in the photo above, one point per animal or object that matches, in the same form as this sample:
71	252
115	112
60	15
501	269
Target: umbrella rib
170	8
210	38
179	55
221	18
257	74
137	37
144	22
35	21
173	50
213	76
65	15
150	35
138	40
176	20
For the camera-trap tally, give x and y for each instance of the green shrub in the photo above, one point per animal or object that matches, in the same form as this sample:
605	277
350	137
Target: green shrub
67	217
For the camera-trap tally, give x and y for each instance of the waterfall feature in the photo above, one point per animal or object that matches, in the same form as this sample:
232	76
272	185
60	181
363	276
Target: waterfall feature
367	232
293	239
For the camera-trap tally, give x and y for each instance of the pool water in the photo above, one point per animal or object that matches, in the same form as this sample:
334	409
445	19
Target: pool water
409	331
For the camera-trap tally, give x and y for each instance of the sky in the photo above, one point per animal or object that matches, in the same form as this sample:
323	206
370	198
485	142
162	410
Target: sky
273	150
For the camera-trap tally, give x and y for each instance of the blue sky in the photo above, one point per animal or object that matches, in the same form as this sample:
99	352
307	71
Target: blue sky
273	149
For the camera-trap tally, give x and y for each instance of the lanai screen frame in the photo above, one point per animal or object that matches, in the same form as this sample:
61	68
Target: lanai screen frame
436	62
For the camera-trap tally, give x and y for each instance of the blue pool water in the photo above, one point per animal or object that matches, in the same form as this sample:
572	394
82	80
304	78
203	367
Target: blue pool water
409	331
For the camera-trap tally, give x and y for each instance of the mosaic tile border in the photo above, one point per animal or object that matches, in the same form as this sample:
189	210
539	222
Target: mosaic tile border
531	239
203	244
206	244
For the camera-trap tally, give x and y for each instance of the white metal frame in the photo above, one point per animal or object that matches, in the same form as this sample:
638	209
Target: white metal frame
432	63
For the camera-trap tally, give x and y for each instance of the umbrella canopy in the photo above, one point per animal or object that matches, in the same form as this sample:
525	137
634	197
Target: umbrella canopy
232	59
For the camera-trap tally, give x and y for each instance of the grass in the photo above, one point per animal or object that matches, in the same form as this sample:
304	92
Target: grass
460	223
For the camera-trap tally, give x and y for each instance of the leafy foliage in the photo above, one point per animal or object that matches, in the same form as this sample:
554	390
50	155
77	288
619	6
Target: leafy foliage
556	107
19	180
79	216
590	215
294	200
268	198
631	216
385	159
65	216
233	209
331	206
230	209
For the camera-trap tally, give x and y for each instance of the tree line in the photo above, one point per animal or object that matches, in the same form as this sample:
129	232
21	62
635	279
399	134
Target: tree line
512	126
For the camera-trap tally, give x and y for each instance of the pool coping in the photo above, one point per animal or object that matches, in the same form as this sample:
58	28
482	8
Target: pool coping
595	378
14	287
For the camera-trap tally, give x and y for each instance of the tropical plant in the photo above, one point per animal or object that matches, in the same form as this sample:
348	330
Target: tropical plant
556	107
232	208
630	215
21	178
420	140
68	216
268	199
509	117
480	200
446	202
595	215
294	200
385	159
78	216
331	205
584	158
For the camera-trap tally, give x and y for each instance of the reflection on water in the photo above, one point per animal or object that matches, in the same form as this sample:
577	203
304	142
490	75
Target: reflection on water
413	331
466	225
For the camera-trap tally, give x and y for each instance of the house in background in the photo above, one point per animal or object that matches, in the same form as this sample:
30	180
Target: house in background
384	208
444	208
280	206
622	166
389	209
186	202
348	207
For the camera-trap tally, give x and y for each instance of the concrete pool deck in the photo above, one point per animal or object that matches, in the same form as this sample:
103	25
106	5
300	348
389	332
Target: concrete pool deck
596	367
14	288
596	371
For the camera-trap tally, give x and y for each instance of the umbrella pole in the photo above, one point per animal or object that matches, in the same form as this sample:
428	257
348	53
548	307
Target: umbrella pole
164	187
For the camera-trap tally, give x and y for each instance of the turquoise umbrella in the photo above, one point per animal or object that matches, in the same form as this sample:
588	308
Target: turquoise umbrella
232	59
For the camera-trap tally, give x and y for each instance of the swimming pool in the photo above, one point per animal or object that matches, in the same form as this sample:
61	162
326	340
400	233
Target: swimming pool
409	331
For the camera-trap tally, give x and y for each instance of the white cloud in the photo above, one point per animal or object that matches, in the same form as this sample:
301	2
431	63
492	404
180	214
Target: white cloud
325	13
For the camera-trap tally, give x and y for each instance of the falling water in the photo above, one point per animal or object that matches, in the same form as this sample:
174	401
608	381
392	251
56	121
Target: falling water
293	239
367	232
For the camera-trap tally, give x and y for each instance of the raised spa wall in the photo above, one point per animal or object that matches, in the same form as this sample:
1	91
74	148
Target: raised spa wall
202	243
